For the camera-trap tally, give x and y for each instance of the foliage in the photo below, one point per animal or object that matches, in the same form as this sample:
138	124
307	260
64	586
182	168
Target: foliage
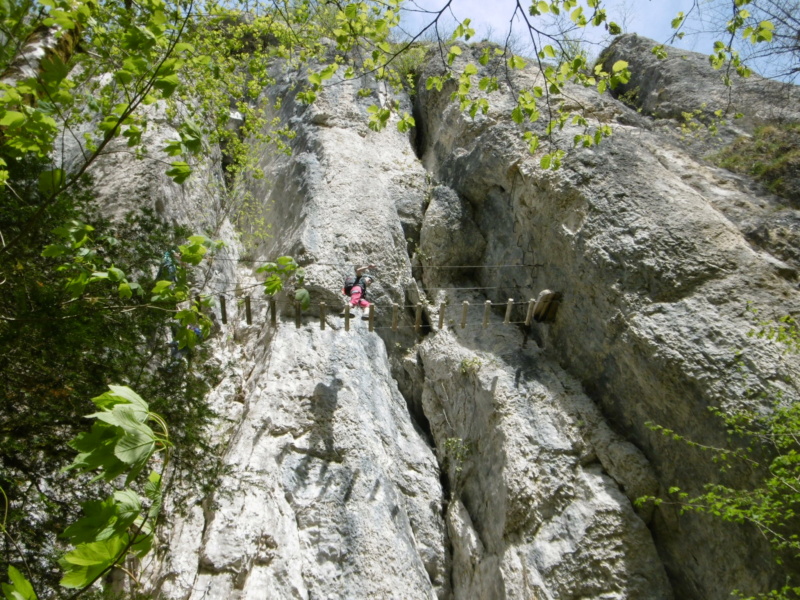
120	442
764	442
699	122
771	155
73	318
456	453
470	366
285	272
759	35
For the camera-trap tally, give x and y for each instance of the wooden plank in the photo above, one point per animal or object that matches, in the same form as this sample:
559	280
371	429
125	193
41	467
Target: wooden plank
223	310
247	314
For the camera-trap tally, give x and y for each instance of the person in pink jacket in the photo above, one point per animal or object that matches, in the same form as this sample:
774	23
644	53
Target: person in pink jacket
358	291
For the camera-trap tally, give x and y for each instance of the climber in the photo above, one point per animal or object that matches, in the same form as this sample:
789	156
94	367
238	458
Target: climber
168	271
356	286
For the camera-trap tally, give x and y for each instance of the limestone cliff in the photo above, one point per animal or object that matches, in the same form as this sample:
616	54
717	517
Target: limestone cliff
482	462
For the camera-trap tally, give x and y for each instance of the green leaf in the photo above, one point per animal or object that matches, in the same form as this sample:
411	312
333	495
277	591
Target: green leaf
516	62
53	69
143	543
50	182
303	297
20	588
619	66
152	491
96	524
128	506
87	561
121	394
126	393
184	47
11	118
103	553
137	443
179	171
267	268
406	123
273	284
167	84
54	250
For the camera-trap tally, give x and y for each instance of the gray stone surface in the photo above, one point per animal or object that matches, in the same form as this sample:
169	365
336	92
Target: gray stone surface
478	463
534	512
686	82
646	243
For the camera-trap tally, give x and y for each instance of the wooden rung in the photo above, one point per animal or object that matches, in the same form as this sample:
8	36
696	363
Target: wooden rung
441	316
418	320
247	314
510	306
322	310
273	313
347	317
487	308
464	308
223	310
395	311
529	316
297	320
371	317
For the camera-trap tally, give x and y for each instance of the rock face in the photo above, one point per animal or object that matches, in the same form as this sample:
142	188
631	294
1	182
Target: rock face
496	461
642	239
684	82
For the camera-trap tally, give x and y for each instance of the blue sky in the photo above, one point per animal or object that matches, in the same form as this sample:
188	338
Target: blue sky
650	18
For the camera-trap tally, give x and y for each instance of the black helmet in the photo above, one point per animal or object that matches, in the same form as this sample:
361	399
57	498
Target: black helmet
367	278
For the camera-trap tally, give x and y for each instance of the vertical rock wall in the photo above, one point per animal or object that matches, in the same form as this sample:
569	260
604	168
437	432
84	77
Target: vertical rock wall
496	462
643	241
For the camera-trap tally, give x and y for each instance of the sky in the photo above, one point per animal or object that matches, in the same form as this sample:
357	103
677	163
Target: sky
650	18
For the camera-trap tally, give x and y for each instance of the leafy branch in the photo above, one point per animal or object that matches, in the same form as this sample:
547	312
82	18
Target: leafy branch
120	443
